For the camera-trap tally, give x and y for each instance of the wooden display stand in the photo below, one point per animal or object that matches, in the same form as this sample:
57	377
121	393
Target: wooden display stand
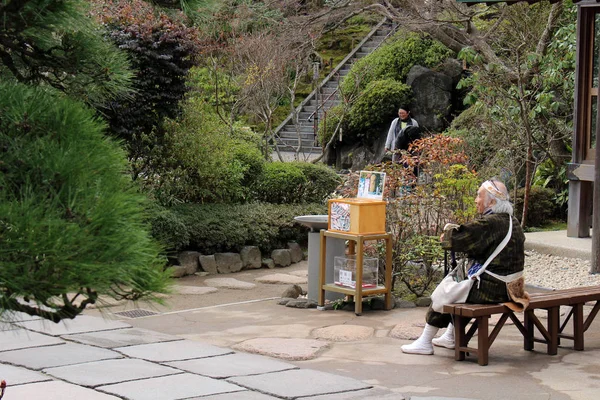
365	216
356	246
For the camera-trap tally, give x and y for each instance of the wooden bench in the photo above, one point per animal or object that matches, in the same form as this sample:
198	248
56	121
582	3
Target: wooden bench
551	334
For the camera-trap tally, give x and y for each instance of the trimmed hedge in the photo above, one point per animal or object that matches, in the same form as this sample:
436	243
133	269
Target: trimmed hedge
295	182
214	228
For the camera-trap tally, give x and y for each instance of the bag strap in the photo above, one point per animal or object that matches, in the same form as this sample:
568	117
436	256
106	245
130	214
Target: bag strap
500	247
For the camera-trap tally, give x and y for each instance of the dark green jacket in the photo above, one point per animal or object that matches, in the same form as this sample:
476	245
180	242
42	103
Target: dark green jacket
478	239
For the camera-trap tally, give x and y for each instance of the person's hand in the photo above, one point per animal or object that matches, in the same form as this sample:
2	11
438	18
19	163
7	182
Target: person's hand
442	237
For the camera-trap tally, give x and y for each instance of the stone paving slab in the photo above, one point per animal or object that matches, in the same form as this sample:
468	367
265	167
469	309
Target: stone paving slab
247	395
440	398
54	390
172	387
110	371
173	351
237	364
81	324
229	283
295	383
281	279
121	338
15	316
367	394
193	290
18	376
343	333
54	356
21	339
7	326
286	348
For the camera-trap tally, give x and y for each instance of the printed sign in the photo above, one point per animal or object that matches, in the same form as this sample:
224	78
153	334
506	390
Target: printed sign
340	217
371	184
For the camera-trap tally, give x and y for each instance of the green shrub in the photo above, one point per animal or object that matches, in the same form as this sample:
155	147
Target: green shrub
252	162
207	161
168	228
376	106
541	205
295	182
328	125
213	228
395	59
321	182
280	183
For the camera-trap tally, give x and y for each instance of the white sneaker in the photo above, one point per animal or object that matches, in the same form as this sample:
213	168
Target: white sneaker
443	342
417	348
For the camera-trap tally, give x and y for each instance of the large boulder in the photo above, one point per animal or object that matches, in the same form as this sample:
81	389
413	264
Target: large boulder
281	257
177	271
251	257
208	264
228	262
432	97
354	157
189	260
295	252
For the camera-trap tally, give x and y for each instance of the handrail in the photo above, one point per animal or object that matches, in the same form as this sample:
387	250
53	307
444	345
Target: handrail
309	119
331	74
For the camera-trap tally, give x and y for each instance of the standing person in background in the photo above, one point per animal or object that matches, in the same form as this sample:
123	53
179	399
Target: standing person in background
397	129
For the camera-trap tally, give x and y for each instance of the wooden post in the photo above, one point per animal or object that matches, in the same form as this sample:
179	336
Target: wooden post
596	206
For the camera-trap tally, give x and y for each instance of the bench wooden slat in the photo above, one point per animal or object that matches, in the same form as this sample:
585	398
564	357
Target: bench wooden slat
551	333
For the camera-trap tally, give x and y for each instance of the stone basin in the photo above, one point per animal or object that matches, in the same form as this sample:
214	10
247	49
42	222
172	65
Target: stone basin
314	222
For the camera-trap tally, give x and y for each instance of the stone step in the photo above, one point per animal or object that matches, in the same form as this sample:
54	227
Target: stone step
328	96
328	104
304	129
329	89
292	144
294	135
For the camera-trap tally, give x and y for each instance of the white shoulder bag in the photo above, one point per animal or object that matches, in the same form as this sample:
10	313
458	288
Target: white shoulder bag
451	291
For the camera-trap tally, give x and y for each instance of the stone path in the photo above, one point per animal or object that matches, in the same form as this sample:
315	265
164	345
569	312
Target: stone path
95	359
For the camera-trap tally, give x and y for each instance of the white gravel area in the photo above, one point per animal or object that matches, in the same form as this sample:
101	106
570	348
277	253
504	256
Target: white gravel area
554	272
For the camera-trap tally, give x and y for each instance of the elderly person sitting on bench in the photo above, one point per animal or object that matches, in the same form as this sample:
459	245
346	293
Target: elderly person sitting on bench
479	239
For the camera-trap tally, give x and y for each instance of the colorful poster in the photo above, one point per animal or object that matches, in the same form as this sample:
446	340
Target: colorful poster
371	184
340	217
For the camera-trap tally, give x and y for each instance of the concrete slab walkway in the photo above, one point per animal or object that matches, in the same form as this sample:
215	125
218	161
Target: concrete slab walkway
92	358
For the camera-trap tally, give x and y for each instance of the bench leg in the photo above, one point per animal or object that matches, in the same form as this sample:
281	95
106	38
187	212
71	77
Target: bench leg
460	340
553	326
528	341
483	345
578	326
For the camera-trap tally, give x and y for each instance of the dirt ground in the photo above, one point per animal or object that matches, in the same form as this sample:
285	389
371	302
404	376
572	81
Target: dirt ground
177	302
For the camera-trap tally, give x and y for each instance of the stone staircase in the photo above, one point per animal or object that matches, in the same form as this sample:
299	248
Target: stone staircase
301	134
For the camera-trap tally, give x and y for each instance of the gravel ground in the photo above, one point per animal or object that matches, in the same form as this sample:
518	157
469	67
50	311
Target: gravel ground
554	272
